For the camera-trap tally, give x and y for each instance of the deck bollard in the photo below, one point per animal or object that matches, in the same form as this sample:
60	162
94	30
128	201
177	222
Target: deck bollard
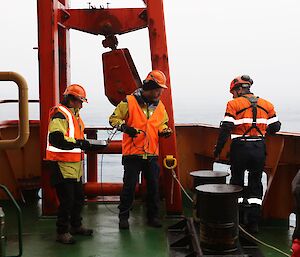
218	215
2	237
202	177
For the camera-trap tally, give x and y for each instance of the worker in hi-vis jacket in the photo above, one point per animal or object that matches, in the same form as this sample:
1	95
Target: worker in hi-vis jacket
143	119
65	146
248	118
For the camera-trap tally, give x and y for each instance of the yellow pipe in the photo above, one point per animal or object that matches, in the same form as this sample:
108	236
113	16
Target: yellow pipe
23	133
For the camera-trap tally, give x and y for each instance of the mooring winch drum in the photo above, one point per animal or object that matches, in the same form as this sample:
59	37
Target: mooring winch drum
202	177
218	216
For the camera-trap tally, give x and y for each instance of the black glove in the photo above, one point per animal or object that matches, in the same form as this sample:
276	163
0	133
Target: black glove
83	144
165	133
131	131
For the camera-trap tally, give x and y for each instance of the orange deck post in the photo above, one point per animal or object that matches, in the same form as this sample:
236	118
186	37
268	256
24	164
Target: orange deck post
159	58
49	87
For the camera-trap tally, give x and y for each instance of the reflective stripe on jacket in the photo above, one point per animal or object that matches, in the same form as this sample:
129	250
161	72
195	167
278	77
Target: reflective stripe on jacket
75	131
239	112
146	142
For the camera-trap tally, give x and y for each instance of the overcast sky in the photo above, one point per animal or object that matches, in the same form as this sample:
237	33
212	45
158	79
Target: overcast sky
209	42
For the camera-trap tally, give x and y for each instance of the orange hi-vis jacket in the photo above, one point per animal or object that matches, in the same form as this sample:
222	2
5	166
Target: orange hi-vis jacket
240	112
146	142
75	130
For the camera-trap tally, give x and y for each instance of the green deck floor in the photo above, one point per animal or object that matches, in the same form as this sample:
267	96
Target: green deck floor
278	237
108	240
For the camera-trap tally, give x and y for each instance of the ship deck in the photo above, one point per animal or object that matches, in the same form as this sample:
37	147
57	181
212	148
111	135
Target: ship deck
108	240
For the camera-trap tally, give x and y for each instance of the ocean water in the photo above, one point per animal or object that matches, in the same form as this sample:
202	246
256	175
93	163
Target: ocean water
109	165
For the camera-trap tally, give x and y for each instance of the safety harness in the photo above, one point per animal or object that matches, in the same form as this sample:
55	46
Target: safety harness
253	101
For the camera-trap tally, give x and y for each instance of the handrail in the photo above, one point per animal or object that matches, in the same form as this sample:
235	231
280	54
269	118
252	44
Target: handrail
16	101
19	219
23	133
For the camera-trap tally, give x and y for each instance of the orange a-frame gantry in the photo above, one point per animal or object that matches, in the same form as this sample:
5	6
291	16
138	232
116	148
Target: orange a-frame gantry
55	18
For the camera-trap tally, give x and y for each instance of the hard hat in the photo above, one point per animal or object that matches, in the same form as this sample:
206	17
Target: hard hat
158	77
244	79
77	91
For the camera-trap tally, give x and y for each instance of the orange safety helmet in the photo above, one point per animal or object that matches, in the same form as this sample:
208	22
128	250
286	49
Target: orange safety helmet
158	77
244	79
77	91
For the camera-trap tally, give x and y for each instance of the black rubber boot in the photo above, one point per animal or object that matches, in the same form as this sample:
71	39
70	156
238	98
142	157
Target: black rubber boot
123	224
65	238
155	222
81	231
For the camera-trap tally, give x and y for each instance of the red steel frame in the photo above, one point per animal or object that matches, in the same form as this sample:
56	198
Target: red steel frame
54	21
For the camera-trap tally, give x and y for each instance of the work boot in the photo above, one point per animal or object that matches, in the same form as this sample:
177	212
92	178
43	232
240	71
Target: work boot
123	224
155	222
65	238
81	231
254	214
296	248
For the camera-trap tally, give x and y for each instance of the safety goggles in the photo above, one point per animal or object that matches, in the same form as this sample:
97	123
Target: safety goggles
244	78
153	79
82	99
247	78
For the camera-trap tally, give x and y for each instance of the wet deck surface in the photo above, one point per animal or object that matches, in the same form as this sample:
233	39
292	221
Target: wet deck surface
108	241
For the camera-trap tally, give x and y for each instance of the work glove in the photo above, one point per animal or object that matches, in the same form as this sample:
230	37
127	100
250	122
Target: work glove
83	144
165	132
296	248
131	131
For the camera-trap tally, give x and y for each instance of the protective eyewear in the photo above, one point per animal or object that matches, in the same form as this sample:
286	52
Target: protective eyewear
244	78
81	99
247	78
153	79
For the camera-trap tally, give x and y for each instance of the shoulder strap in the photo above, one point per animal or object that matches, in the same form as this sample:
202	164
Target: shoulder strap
250	100
253	101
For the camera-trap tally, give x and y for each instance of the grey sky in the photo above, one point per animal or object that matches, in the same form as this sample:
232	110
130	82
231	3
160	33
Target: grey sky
209	42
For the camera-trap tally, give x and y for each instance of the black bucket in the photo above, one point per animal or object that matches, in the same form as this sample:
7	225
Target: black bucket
202	177
218	215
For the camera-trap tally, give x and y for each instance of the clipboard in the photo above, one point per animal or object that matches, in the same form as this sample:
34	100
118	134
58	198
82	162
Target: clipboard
97	144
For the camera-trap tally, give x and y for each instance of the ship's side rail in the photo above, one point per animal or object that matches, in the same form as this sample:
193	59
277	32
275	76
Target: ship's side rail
21	168
195	150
